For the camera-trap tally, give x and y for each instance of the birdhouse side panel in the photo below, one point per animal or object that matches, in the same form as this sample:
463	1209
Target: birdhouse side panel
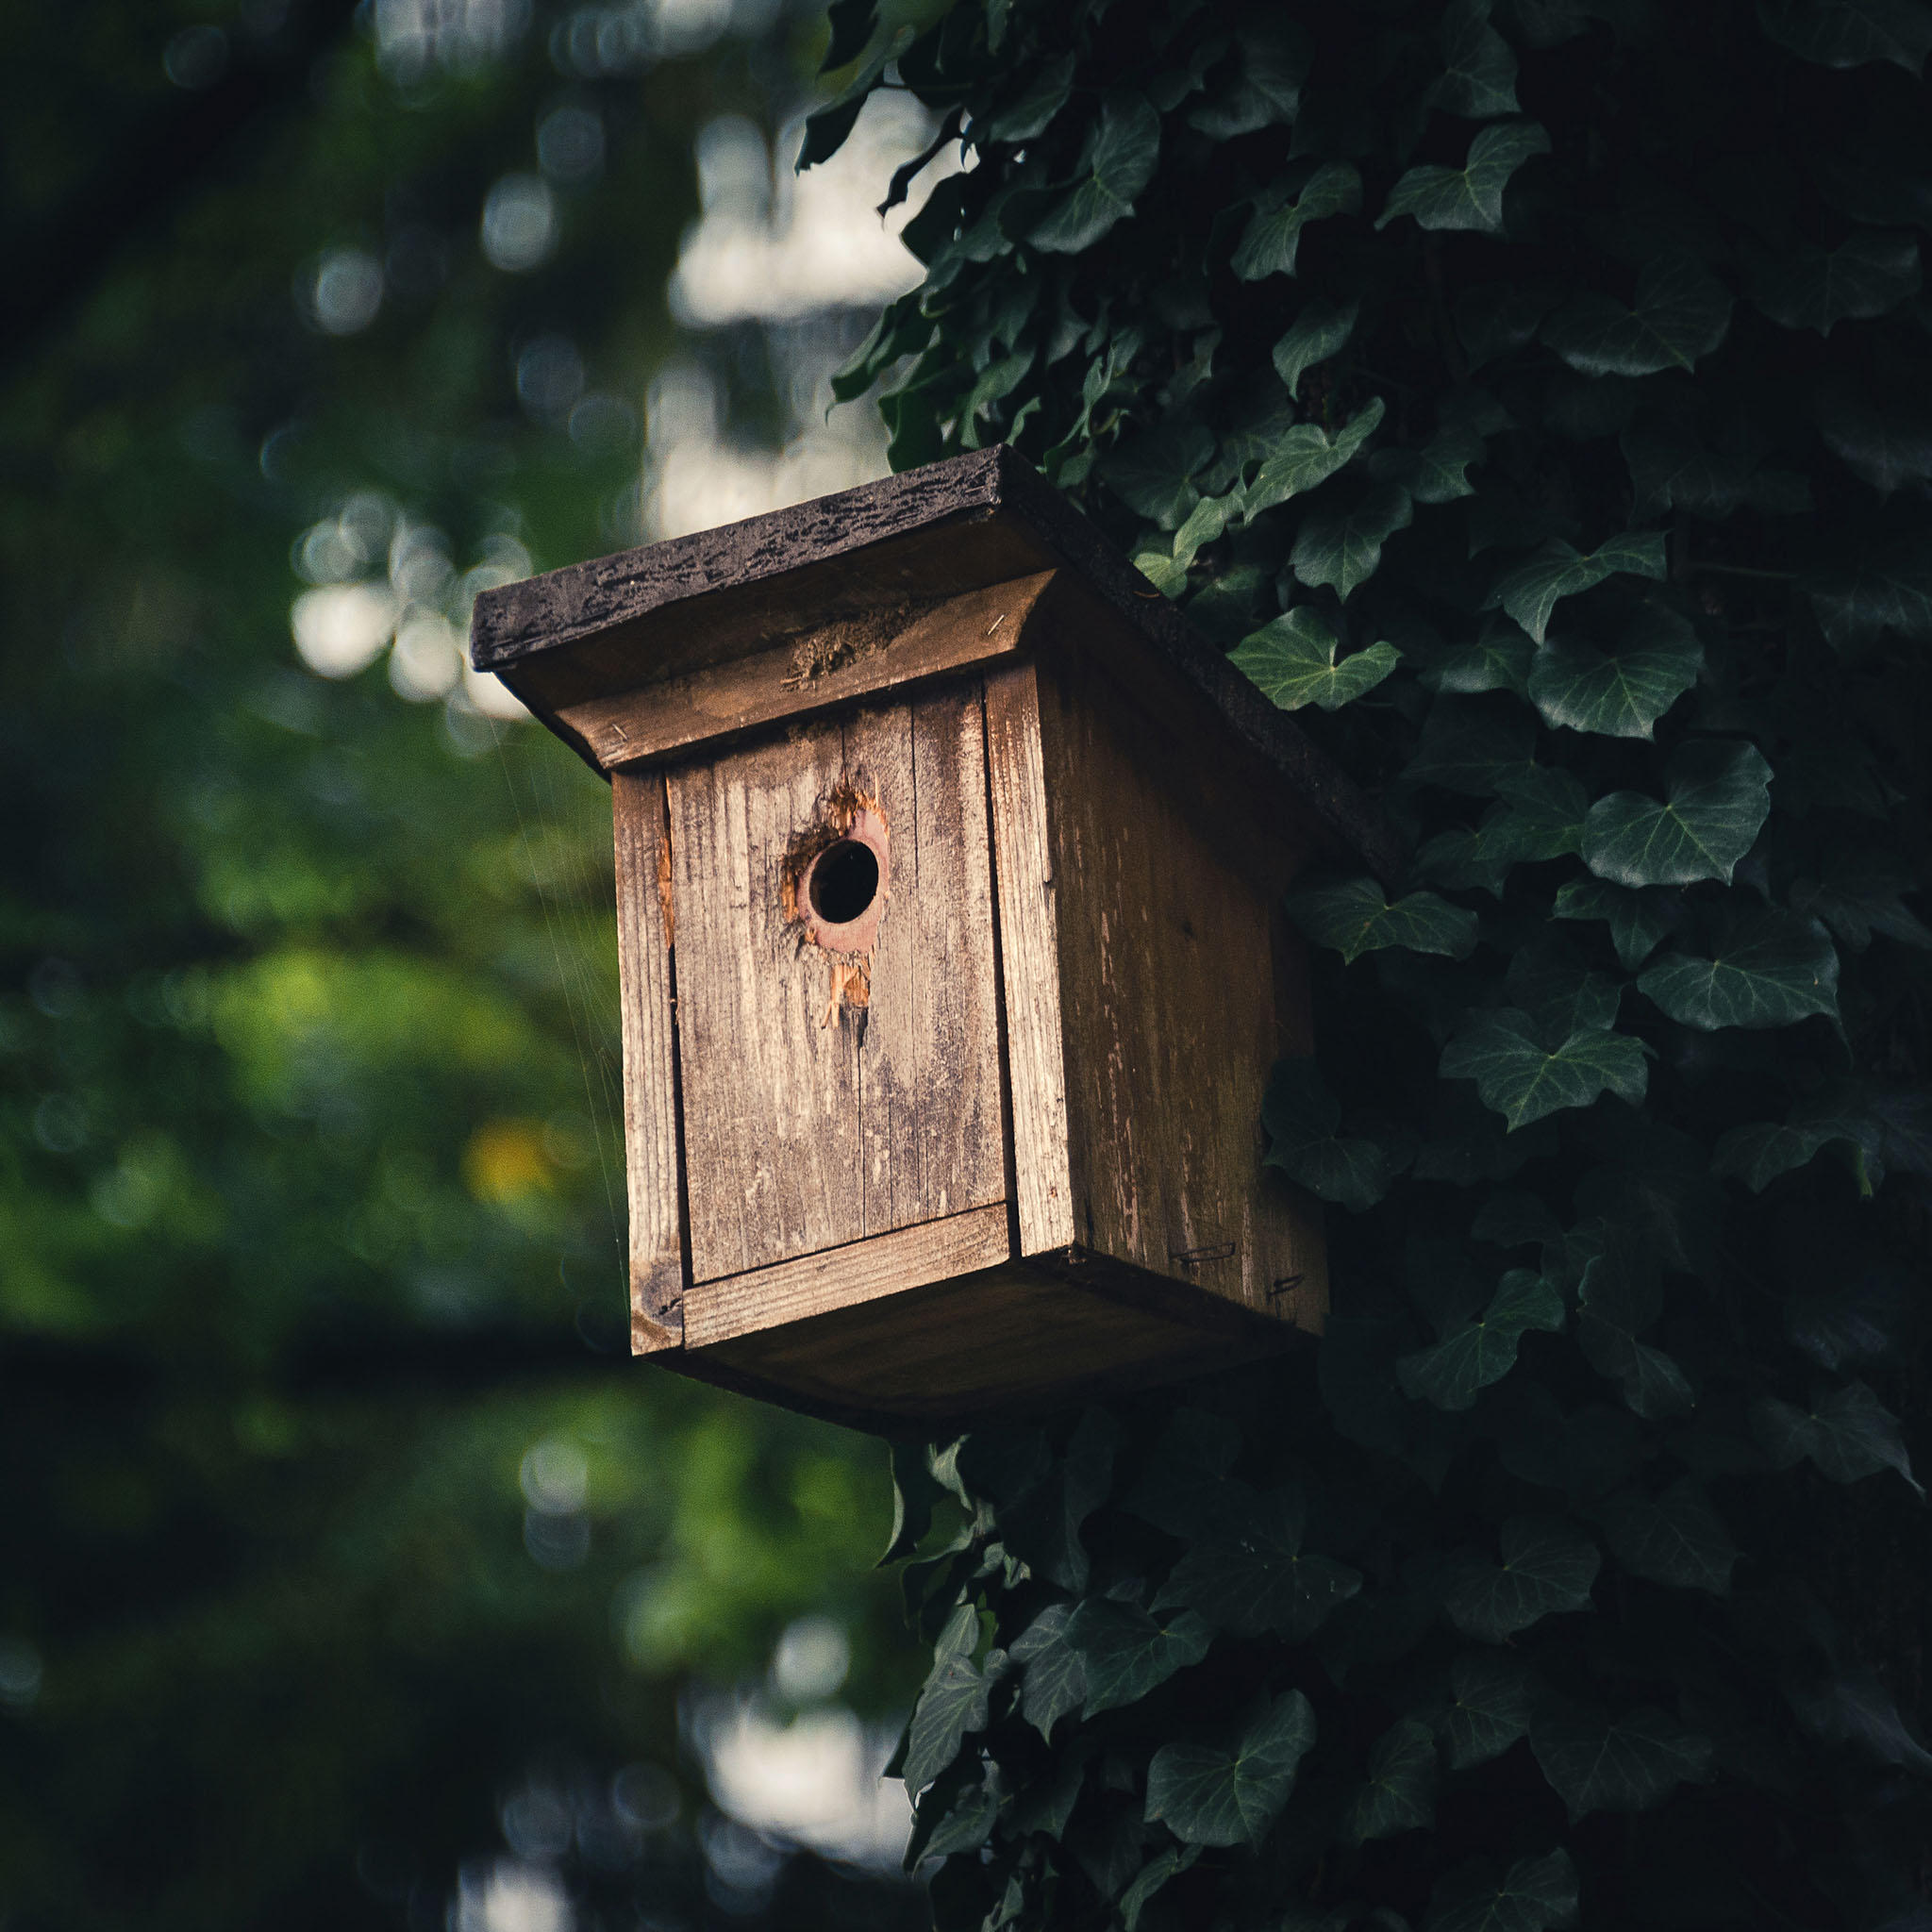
837	1030
650	1067
1173	990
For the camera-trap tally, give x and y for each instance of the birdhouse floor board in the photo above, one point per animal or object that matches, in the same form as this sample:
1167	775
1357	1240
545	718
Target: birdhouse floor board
835	663
1008	1339
865	1271
810	1122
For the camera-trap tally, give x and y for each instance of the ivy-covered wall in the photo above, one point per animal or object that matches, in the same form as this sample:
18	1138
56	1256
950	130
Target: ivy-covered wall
1536	398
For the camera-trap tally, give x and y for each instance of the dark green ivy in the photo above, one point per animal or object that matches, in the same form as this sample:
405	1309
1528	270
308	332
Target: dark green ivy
1536	398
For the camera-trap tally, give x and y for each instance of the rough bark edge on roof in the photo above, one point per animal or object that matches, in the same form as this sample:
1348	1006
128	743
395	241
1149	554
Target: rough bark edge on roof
517	621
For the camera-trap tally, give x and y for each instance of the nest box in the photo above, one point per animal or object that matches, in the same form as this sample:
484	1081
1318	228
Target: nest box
950	860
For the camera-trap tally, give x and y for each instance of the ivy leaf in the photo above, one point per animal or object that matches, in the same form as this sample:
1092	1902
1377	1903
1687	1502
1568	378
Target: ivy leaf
1858	894
1541	818
1317	333
1888	447
1880	592
1535	1895
1273	235
1852	1324
1533	589
1472	750
1670	469
1119	161
1209	1795
1637	920
1043	1527
1676	1538
826	129
1855	1708
1558	992
1771	968
1489	1709
1346	550
1617	1298
1621	696
954	1701
1717	795
1267	90
1301	1117
1153	1875
1355	918
1681	314
1627	1764
1433	474
1477	1352
1479	76
1127	1652
1043	92
1054	1679
1548	1567
1305	455
1500	1050
1498	657
968	1823
1399	1794
1847	1432
852	22
1246	1573
1813	288
1848	33
1152	472
1470	196
1759	1151
1292	661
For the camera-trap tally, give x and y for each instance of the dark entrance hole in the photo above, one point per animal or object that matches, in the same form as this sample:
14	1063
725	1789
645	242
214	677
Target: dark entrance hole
844	881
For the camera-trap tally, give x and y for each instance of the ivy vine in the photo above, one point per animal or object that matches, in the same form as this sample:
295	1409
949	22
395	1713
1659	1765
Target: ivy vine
1534	397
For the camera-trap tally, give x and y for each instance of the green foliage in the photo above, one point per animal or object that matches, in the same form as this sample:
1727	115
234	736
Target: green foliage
1208	1795
1531	396
1294	661
348	1551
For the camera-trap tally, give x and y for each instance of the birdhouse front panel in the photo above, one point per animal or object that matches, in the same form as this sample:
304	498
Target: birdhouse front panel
949	870
831	898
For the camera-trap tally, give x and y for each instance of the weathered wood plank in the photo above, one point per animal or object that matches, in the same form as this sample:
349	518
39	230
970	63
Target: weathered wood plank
801	1135
1029	960
929	1090
866	1271
830	665
1170	988
770	1097
651	1153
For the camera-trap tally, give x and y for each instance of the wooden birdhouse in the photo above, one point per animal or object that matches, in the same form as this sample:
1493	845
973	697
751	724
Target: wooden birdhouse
950	860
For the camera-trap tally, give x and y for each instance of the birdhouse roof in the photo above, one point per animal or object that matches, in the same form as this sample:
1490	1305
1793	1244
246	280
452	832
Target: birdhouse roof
878	555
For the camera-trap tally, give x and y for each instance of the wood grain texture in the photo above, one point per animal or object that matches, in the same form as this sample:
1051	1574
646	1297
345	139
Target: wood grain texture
651	1150
1009	1341
1029	960
801	1137
930	534
1172	994
829	666
867	1271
